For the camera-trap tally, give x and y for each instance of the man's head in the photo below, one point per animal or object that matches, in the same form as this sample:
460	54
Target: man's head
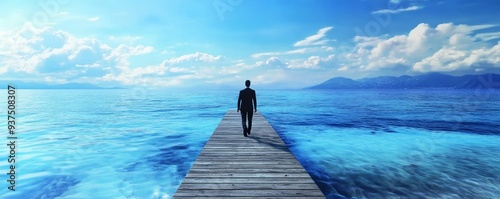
247	83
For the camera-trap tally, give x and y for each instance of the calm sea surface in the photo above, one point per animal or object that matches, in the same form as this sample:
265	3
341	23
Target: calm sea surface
140	143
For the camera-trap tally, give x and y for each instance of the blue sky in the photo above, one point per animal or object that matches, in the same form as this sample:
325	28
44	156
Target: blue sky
221	43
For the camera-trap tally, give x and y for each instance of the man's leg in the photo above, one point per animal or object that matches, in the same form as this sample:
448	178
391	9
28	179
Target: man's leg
250	116
244	122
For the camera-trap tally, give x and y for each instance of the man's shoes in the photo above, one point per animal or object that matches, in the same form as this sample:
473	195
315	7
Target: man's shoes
248	131
245	133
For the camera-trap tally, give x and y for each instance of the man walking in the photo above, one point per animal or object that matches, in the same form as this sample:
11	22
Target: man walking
246	107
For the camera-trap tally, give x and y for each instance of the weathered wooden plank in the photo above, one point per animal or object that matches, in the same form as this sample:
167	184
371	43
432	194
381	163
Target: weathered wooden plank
249	180
243	193
233	166
247	175
230	142
230	152
244	157
246	170
237	138
247	166
239	143
236	186
240	161
222	151
236	145
236	163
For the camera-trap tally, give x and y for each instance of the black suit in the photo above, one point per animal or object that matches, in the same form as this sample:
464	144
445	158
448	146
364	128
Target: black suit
246	107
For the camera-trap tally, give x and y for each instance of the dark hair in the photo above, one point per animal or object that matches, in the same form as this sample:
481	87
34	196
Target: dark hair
247	83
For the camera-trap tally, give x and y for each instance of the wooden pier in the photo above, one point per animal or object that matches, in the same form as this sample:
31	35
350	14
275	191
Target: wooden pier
259	166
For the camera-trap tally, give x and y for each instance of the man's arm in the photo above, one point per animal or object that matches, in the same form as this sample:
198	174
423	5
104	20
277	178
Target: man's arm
239	102
254	101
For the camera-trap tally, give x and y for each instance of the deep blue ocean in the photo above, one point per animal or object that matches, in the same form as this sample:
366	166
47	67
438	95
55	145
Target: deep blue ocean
141	142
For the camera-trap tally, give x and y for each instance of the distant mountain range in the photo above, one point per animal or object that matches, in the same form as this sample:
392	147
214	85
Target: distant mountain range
32	85
431	80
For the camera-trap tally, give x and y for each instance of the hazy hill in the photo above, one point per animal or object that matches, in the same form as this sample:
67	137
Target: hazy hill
431	80
33	85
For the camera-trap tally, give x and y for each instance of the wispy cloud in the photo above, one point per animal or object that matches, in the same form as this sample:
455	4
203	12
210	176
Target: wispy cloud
290	52
198	56
389	11
62	14
296	51
488	36
315	39
93	19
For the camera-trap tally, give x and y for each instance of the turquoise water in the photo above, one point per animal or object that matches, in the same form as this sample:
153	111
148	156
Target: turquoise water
395	143
140	143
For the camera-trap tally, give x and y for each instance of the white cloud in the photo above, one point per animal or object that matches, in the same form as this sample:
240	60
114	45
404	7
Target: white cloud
45	52
122	53
274	62
450	59
344	68
313	62
58	56
147	75
3	70
62	14
170	72
461	28
94	65
488	36
316	39
290	52
315	43
198	56
93	19
447	47
296	51
389	11
445	59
